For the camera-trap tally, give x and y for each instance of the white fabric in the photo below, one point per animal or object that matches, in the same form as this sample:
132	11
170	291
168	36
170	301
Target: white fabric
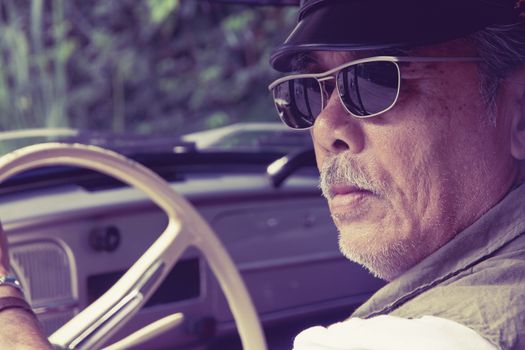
392	333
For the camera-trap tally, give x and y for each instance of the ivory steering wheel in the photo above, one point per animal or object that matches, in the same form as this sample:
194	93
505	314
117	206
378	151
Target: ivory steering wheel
92	327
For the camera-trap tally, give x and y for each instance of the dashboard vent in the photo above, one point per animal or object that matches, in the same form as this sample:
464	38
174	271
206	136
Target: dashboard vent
44	271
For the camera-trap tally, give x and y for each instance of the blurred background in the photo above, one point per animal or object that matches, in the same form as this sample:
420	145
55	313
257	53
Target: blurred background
147	67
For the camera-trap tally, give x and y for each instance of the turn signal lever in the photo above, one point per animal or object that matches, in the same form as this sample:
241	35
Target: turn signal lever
283	167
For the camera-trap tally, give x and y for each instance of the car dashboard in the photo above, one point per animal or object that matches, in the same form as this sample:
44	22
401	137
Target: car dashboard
70	242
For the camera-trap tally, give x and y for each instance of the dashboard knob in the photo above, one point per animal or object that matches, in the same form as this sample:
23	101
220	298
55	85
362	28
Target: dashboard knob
104	239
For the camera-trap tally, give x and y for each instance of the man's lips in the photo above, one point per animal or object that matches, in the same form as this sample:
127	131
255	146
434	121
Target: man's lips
347	196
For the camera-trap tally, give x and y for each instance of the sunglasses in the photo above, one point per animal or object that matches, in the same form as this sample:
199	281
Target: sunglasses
366	88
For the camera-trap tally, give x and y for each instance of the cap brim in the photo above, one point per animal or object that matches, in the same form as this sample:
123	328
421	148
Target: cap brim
373	25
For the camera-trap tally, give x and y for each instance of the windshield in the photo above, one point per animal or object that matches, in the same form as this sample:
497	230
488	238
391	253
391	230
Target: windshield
148	71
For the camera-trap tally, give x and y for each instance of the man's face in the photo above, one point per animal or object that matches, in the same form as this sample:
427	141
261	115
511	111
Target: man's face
431	165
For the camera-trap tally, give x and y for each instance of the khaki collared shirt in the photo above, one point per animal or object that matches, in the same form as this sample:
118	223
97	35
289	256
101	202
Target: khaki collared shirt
477	279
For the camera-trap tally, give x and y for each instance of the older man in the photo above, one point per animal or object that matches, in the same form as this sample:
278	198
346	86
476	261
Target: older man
417	113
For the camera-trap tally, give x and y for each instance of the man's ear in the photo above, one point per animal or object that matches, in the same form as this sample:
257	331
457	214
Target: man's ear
516	89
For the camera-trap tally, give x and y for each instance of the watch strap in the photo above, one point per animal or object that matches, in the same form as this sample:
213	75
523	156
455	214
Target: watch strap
15	302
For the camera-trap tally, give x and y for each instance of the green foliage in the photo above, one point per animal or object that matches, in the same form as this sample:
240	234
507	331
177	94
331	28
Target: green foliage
161	9
148	66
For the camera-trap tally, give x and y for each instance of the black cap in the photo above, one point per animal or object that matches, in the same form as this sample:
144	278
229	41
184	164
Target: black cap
387	24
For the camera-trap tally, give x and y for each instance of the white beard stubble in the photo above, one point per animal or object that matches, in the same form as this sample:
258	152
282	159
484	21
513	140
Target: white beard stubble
384	261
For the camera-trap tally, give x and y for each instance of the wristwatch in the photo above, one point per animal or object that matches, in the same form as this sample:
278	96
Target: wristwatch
12	281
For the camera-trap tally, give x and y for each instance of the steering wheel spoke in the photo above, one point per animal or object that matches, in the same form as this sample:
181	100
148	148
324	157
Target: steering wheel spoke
150	331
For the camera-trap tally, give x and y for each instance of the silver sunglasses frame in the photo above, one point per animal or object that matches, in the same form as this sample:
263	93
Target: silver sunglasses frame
332	74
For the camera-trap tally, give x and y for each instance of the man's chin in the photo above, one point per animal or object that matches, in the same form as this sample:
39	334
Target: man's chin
384	259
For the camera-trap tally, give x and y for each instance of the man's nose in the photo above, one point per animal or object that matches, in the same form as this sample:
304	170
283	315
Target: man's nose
335	130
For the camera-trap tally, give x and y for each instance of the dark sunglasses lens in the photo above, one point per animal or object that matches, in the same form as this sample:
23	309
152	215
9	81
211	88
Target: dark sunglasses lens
368	88
298	102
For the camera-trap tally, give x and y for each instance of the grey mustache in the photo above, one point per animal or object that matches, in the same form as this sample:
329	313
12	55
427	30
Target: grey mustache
343	170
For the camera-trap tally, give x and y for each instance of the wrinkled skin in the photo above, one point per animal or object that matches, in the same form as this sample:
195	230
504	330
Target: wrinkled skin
435	159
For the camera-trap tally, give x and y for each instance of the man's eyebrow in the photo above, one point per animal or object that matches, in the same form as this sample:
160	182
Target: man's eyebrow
308	63
304	63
